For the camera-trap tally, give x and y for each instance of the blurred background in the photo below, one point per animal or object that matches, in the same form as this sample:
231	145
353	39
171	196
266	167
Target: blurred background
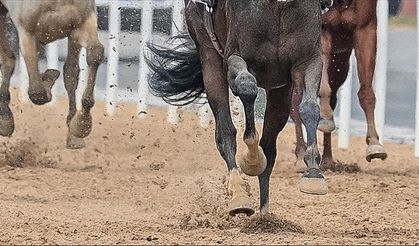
401	74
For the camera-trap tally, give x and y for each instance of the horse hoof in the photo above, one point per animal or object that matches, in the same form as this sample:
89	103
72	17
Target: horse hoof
253	166
40	97
376	151
313	182
49	77
7	125
326	126
300	166
241	205
75	142
81	125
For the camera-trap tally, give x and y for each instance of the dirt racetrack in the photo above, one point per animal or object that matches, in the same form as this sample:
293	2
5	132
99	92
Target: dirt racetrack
144	181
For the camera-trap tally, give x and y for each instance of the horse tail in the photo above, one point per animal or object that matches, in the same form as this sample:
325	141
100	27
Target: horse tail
176	73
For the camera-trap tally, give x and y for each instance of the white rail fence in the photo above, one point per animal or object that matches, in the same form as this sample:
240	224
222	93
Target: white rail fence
147	6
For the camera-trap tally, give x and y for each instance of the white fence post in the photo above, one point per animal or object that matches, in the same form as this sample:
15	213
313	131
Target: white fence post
146	32
380	76
113	56
177	26
23	79
417	87
82	78
52	63
345	103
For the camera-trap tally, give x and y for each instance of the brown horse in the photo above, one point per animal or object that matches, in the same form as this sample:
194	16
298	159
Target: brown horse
39	23
242	45
349	24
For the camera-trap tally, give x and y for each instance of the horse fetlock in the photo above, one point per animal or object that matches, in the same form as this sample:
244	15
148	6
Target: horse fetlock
376	151
95	54
312	157
245	86
7	123
313	182
81	125
326	125
49	77
253	163
40	95
74	142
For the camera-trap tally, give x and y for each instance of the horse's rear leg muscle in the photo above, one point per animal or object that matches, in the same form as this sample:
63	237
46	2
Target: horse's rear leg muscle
225	133
312	181
244	85
39	92
365	48
71	80
276	116
81	123
7	62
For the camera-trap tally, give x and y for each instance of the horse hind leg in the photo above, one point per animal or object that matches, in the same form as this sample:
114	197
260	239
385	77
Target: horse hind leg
365	48
276	116
243	84
225	131
81	123
39	84
7	62
71	80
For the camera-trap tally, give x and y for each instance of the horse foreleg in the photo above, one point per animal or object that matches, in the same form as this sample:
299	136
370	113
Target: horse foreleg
7	62
276	116
39	93
81	123
312	181
365	50
243	84
71	80
225	133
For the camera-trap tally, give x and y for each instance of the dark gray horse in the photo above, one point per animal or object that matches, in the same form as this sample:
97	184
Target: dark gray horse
245	44
39	23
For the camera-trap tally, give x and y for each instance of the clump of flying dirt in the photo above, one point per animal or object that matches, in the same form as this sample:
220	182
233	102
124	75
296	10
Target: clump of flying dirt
25	153
339	167
270	223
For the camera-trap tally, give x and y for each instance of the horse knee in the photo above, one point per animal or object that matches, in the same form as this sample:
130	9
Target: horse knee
245	86
8	65
87	103
95	54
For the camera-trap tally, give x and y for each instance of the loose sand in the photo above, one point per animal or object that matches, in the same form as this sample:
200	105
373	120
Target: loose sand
145	181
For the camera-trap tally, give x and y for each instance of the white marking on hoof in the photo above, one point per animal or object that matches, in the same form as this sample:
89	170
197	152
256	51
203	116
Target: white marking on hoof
253	164
376	151
313	186
240	202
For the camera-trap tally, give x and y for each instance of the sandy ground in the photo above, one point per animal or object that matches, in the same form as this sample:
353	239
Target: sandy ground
144	181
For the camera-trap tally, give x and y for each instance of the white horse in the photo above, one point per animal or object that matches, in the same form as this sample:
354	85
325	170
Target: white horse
38	23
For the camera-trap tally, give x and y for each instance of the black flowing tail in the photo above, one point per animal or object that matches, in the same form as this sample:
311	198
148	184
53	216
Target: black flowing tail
176	73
